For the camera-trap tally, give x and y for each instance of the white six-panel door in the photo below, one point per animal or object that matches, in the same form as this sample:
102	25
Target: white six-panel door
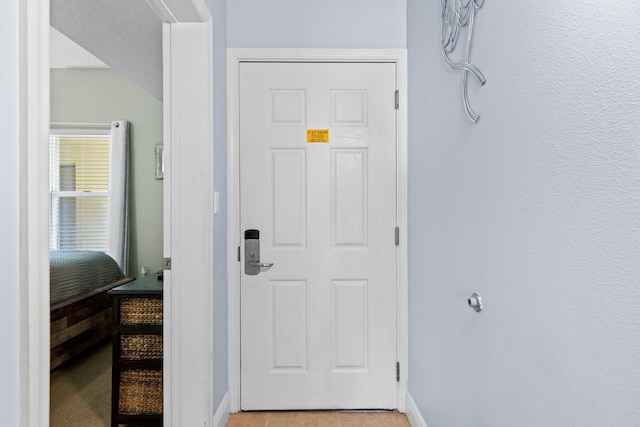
318	329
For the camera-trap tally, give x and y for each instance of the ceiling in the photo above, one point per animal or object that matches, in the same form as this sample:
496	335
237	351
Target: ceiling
125	35
65	53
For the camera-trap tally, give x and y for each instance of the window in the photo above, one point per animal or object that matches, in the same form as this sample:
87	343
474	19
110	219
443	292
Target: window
79	188
89	187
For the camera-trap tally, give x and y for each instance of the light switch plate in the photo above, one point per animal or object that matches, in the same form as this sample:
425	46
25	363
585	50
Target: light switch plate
216	203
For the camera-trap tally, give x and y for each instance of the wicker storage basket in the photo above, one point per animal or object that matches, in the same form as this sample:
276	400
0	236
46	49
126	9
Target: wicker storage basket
141	311
140	392
140	347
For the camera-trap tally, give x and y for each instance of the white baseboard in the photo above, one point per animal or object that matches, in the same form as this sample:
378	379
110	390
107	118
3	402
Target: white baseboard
222	413
413	413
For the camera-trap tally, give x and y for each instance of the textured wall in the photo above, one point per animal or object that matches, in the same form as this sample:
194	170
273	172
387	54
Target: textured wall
99	96
322	24
9	211
536	207
218	10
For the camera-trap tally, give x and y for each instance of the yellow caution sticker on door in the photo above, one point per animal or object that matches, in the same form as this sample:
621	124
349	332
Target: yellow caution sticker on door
318	136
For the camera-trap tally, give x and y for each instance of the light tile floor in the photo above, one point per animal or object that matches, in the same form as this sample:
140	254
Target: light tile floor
318	419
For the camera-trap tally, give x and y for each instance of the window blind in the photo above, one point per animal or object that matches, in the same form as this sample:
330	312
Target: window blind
79	180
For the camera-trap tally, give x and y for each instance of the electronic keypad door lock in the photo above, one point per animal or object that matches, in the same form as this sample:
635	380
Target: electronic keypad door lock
252	264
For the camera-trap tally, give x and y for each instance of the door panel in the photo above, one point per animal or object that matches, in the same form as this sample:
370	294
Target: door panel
318	329
288	198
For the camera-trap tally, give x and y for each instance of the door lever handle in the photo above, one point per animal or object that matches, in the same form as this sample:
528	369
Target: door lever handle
260	264
252	264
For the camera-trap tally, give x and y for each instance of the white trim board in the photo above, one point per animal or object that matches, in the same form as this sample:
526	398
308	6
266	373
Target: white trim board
413	413
223	413
188	224
33	73
234	58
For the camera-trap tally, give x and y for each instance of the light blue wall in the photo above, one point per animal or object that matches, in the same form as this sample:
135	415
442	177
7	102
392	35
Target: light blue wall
316	24
537	207
9	211
221	279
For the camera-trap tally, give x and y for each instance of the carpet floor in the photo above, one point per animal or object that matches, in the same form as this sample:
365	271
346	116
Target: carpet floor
81	391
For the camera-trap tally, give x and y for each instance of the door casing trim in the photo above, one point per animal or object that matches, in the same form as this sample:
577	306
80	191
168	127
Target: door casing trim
234	58
33	77
188	231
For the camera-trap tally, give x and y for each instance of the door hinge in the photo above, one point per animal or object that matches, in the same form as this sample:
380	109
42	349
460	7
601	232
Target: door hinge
397	99
398	371
397	236
238	253
166	263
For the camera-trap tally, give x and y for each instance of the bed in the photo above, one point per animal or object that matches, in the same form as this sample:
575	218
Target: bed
80	307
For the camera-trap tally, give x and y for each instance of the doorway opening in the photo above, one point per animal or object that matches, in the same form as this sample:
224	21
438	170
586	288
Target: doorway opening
89	99
192	43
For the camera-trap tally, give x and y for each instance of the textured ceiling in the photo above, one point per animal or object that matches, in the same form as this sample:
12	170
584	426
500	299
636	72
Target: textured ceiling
65	53
124	34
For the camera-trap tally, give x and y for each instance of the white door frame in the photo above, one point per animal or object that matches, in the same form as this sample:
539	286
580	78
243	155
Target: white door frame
188	101
234	58
33	36
188	224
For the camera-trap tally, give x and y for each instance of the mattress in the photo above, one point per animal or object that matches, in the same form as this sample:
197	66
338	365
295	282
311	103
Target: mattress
74	273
